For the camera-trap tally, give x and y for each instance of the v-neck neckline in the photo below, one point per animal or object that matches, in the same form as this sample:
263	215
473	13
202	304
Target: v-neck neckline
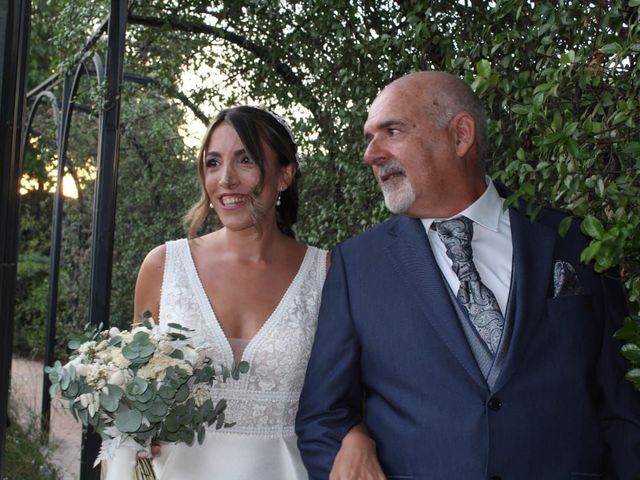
212	319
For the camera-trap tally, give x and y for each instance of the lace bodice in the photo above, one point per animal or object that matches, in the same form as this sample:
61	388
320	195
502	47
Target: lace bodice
264	401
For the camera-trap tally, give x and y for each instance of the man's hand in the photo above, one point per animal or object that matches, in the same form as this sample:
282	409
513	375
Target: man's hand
356	459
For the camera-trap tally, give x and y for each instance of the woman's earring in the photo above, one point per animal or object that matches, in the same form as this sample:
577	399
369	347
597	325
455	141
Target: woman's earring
279	201
210	204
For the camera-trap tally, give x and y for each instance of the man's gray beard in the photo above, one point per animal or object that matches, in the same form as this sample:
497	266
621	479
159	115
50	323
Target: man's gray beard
399	198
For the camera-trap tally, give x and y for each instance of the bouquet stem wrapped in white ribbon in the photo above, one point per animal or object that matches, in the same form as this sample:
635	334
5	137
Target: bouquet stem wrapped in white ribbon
140	386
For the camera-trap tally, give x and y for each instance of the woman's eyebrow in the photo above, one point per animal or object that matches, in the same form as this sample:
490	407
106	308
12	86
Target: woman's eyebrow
215	153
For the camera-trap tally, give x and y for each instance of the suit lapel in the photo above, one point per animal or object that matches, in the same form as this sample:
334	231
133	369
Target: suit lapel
533	246
411	255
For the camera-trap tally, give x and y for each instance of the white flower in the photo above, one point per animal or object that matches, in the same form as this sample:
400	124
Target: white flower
119	360
190	355
126	337
118	378
84	399
87	348
97	375
114	331
77	365
94	403
158	365
82	370
74	361
165	347
200	394
104	356
140	328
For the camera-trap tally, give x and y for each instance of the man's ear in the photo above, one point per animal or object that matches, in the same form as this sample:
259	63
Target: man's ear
287	172
464	132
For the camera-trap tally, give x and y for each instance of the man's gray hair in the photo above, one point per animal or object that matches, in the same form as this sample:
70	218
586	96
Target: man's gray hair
446	103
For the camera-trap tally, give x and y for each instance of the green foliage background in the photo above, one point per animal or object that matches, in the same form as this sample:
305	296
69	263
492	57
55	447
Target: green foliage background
559	80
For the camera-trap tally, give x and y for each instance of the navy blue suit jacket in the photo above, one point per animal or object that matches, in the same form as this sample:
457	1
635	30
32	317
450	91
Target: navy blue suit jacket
388	333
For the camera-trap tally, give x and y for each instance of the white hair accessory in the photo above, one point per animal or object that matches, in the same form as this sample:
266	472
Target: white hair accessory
283	122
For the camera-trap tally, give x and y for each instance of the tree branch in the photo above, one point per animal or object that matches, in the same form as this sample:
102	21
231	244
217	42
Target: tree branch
258	50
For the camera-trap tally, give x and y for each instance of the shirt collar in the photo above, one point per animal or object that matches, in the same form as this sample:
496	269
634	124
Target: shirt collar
485	211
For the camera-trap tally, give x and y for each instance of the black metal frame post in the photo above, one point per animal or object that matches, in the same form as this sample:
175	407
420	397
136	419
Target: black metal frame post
54	251
14	48
105	201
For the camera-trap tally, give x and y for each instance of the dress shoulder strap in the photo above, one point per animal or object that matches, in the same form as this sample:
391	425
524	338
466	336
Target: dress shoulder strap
173	264
319	264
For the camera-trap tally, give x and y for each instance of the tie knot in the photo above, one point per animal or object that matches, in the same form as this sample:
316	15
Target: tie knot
458	229
456	234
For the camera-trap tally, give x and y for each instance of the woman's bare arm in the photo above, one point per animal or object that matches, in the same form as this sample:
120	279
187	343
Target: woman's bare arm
148	284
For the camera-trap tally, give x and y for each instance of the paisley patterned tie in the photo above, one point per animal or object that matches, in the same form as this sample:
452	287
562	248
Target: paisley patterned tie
475	296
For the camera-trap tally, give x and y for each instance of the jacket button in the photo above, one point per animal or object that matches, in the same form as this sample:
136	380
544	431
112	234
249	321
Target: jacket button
495	404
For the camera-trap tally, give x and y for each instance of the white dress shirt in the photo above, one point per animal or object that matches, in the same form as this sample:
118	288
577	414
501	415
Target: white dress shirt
491	244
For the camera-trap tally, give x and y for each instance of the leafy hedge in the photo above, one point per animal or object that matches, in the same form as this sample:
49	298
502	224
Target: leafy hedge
559	81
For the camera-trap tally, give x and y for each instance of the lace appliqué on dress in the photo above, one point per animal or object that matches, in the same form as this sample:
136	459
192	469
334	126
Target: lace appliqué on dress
264	401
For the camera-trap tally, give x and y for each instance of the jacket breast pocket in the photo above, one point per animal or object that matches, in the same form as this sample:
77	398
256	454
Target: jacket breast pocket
567	306
573	326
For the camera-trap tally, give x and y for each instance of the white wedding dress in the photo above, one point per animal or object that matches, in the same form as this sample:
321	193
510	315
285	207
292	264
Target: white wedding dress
263	403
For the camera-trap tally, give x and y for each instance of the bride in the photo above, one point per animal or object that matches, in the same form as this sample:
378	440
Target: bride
250	291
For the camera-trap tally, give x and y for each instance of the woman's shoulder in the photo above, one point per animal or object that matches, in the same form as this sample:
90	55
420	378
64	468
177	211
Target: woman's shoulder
154	260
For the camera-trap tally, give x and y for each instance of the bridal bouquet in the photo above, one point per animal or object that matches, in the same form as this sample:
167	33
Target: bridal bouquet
139	386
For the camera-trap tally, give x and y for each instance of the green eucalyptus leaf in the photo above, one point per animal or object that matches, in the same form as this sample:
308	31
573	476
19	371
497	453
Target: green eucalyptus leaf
137	386
84	416
220	421
172	423
220	406
146	350
54	388
130	351
167	391
129	421
158	408
65	379
177	326
111	400
73	389
186	435
177	354
183	393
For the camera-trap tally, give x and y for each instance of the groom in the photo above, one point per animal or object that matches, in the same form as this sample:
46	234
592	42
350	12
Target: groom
471	341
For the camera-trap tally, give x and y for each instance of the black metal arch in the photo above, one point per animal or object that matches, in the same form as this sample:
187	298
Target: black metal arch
40	97
70	88
103	222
